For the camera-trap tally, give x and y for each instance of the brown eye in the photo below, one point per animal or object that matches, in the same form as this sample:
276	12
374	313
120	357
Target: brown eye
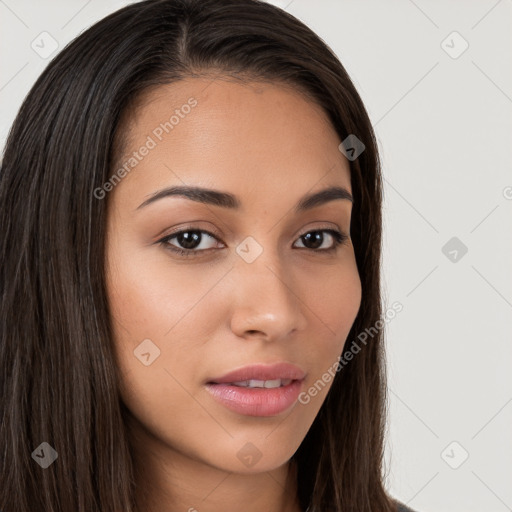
314	240
188	241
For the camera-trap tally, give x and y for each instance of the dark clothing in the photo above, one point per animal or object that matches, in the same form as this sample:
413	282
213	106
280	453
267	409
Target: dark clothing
404	508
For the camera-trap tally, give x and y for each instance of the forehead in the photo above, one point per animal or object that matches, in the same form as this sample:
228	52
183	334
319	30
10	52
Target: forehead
232	134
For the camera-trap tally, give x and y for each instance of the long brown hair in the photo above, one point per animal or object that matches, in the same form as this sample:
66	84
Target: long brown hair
58	378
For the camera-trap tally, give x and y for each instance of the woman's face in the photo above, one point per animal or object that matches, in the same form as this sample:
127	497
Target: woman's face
255	290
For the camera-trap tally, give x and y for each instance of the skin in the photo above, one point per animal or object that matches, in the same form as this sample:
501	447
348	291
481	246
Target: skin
215	312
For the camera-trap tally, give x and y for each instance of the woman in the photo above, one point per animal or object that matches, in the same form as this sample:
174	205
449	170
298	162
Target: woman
191	220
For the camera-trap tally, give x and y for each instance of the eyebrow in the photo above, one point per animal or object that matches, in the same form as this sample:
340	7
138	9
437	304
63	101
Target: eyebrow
227	200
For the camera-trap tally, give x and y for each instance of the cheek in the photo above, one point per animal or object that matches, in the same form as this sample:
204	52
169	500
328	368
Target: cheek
332	298
340	298
150	295
163	313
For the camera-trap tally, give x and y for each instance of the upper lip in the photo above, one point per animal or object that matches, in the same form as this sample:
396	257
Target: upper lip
261	372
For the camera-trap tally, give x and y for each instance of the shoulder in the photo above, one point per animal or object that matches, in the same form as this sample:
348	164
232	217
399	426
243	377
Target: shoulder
404	508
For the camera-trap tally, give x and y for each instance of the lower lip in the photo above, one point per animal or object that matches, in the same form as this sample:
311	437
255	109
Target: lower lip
256	401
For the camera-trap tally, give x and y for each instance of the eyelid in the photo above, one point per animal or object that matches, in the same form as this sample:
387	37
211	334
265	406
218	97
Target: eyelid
191	227
324	227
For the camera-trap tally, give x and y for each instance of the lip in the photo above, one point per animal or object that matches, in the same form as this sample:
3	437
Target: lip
261	372
258	401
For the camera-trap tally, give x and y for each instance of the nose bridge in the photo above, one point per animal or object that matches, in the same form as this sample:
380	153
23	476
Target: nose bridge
266	300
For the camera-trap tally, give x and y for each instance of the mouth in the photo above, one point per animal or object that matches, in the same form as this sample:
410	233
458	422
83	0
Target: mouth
255	384
258	390
256	400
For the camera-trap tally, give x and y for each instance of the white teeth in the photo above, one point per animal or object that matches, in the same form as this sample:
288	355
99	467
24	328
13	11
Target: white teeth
241	383
276	383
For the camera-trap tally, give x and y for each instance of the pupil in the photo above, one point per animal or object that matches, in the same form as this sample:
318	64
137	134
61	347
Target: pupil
189	239
317	237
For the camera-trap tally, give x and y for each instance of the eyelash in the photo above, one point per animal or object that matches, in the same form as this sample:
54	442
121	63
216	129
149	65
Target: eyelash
338	237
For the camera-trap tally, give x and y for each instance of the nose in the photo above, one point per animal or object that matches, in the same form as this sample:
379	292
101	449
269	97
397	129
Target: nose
266	301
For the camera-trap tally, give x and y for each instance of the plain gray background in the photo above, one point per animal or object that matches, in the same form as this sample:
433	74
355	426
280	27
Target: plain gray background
442	114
